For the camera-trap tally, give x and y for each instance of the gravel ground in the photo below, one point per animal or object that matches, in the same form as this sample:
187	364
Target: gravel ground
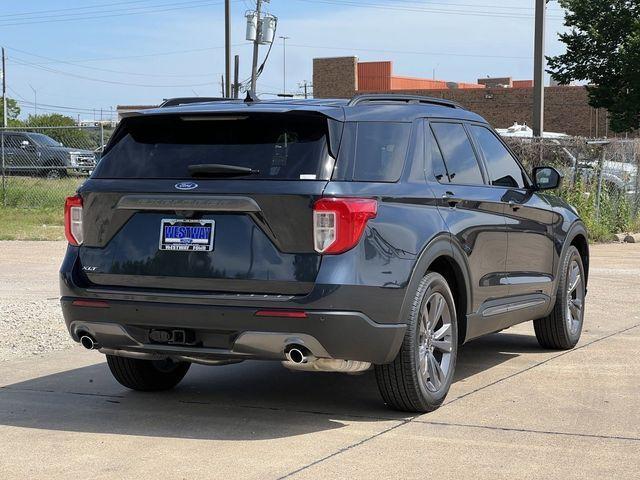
30	317
31	328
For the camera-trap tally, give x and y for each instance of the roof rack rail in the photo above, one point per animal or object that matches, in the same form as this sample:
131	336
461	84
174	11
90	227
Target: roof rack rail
401	98
174	102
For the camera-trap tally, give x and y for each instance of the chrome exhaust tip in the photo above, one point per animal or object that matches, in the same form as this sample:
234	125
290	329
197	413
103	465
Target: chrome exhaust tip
297	354
88	342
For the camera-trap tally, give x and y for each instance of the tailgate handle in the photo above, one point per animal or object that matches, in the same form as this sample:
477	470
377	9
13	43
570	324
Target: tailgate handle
209	203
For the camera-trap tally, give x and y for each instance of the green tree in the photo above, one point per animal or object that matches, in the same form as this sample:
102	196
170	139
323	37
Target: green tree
13	110
603	48
70	137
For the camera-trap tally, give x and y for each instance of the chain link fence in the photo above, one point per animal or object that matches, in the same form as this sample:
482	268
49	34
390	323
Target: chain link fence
42	165
600	178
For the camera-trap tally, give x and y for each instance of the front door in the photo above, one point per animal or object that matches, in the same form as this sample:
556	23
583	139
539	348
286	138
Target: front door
529	218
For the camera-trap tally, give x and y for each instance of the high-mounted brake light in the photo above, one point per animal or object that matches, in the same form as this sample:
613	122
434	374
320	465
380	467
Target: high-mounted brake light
73	220
338	223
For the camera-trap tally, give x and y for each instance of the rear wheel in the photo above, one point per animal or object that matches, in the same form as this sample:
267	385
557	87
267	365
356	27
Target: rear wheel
562	328
147	375
419	378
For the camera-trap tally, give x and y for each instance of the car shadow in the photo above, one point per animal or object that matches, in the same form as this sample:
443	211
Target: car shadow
247	401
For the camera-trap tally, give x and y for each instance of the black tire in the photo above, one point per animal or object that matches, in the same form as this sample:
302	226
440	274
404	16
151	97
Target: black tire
54	173
401	383
556	331
147	375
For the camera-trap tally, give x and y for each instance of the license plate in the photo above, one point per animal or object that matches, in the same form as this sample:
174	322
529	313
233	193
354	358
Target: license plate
187	235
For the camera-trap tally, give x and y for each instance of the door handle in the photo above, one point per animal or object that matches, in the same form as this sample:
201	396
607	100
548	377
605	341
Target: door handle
514	206
449	197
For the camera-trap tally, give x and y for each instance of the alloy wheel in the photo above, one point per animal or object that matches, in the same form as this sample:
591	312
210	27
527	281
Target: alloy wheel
435	342
575	297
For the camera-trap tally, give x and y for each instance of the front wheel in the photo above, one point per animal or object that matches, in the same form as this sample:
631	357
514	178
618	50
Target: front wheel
147	375
419	378
561	329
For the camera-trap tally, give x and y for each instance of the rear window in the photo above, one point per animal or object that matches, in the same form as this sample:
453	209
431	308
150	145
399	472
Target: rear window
276	146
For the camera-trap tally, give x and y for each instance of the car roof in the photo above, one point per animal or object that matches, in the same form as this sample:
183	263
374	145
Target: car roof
398	108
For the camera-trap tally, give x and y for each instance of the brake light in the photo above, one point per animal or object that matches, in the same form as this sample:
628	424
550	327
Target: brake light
73	220
338	223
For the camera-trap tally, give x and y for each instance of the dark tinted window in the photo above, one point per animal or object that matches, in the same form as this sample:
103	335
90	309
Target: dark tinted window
437	162
504	171
381	149
280	146
458	153
14	141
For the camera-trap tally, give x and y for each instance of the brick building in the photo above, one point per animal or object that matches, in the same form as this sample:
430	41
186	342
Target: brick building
502	101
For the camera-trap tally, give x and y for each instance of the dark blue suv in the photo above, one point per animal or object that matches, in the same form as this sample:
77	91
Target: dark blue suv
332	235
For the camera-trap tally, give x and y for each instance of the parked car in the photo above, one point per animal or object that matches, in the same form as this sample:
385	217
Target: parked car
31	153
382	232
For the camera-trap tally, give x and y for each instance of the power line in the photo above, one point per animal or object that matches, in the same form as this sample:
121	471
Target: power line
55	61
349	3
86	7
111	82
120	13
410	52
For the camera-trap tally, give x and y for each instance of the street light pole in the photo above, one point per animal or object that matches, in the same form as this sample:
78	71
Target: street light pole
538	69
227	48
284	63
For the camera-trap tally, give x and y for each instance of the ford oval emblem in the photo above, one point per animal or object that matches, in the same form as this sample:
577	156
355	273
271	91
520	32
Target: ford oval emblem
186	185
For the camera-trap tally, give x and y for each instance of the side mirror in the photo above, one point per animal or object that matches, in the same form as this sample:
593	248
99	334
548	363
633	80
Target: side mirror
546	178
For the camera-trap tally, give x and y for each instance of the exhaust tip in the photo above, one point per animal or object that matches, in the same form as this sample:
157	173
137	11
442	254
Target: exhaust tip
297	354
88	342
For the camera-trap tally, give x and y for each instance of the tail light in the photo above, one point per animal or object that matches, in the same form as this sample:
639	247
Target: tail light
73	220
338	223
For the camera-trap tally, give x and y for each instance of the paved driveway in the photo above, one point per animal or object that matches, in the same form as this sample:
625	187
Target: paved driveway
515	411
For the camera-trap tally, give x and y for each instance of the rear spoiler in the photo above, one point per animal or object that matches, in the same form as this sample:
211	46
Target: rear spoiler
334	127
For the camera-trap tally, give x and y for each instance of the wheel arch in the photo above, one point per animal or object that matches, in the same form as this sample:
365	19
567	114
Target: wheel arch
577	237
443	256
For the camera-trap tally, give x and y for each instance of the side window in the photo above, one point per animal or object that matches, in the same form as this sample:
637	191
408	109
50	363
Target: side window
434	155
503	169
12	141
460	159
381	149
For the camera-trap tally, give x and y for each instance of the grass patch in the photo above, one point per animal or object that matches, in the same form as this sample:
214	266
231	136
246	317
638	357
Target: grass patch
37	192
32	224
34	207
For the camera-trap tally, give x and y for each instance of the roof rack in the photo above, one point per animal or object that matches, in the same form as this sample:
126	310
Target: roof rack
401	98
174	102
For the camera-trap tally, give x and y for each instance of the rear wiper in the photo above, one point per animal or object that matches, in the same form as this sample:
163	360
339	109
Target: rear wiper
220	170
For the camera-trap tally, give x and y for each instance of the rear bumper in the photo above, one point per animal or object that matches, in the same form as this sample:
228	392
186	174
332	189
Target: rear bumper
231	332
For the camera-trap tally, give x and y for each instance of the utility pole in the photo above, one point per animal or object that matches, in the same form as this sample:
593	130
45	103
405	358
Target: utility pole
236	75
284	63
538	69
227	48
305	86
254	65
4	90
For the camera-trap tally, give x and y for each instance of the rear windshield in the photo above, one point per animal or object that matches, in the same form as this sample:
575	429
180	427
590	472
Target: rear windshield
275	146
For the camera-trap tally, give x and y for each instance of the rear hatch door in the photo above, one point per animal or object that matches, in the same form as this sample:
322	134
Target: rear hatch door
211	203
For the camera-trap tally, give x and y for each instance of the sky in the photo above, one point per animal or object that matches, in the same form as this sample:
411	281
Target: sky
85	57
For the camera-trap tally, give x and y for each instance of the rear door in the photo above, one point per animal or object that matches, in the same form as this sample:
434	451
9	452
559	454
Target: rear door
207	203
473	211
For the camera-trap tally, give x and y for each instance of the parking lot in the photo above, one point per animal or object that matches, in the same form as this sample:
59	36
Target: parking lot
514	411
